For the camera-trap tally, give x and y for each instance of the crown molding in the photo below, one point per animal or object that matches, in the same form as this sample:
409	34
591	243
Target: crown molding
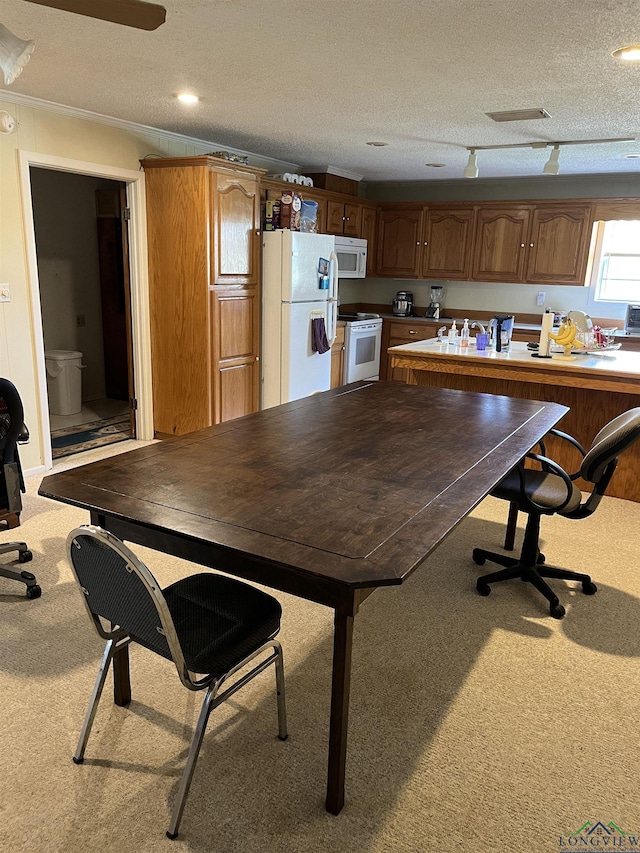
207	146
333	170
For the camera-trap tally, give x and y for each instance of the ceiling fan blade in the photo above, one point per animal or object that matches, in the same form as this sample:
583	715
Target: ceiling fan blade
131	13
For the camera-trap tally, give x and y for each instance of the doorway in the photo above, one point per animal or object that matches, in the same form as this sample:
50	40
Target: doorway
82	259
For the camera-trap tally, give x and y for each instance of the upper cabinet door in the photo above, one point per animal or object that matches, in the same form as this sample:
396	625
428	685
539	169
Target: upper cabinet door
399	242
446	249
558	244
368	232
501	243
235	229
352	220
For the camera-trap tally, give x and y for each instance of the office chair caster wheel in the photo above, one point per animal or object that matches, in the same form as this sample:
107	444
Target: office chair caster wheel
479	559
541	559
483	588
589	588
34	591
25	556
557	611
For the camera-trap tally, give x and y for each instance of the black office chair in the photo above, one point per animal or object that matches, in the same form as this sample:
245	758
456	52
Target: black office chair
551	490
13	432
209	625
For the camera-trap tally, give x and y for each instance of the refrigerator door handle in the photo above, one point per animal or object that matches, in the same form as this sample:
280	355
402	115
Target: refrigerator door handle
332	300
332	322
333	284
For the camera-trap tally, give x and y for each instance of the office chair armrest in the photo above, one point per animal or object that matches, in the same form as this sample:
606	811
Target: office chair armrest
23	436
549	467
571	440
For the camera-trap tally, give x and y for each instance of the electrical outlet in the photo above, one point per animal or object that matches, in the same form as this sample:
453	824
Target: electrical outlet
5	293
540	298
81	320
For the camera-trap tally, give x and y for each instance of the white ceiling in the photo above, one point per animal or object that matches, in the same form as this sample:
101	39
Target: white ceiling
312	81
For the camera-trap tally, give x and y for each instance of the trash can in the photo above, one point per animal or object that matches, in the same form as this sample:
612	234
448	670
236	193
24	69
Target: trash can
64	381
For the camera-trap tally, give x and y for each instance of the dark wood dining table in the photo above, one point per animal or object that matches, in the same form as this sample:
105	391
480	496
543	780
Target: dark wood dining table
327	498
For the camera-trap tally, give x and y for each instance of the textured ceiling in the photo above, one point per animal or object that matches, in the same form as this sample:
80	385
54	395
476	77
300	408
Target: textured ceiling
312	81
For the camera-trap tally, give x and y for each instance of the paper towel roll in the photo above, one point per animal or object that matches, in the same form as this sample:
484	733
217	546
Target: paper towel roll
545	340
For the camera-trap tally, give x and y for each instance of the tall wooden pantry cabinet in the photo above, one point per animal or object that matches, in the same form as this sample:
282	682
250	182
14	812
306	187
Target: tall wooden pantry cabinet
203	221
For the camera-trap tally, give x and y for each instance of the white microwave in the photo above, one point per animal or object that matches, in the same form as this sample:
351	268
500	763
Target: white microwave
352	257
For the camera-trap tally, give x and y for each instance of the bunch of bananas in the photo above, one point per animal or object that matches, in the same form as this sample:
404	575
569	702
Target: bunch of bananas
566	336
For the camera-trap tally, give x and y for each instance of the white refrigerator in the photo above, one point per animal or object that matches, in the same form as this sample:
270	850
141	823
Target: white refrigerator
295	290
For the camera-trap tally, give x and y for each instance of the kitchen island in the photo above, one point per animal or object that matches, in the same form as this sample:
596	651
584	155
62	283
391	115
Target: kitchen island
595	387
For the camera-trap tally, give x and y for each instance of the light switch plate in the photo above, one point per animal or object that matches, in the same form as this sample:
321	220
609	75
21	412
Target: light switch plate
540	298
5	293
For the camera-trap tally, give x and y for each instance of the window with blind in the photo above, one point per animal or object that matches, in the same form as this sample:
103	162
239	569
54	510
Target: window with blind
616	268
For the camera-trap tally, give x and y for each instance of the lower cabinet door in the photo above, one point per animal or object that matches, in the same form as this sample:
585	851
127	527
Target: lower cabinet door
234	352
237	384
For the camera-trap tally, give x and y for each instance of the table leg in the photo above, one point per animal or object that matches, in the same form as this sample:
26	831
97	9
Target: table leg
340	684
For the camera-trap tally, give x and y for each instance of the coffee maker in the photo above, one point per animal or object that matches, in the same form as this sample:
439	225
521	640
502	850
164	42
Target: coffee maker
435	306
403	303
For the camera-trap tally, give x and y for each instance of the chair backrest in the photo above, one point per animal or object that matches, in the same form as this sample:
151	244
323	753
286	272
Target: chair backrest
618	435
11	420
119	588
11	425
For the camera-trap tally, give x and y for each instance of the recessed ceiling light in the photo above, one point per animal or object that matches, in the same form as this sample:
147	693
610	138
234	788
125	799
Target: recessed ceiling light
435	165
378	144
629	54
187	98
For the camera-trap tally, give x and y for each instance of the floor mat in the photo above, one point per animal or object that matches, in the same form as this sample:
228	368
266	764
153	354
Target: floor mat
81	437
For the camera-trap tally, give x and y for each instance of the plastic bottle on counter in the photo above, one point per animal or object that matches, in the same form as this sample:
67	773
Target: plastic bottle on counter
464	334
453	334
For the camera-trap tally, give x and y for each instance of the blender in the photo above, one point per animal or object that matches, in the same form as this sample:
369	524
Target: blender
435	306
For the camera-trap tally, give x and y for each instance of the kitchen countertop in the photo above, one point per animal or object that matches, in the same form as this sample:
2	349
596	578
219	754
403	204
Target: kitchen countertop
613	364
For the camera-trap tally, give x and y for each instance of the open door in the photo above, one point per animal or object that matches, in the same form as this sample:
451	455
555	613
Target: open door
115	287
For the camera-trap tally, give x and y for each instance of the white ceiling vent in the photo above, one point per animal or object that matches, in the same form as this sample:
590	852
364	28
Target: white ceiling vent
519	115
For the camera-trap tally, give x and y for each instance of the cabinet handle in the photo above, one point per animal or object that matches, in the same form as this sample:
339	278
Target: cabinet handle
425	243
522	245
418	243
531	245
411	332
257	358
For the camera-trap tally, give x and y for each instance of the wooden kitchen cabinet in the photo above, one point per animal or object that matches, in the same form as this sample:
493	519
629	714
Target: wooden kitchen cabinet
534	244
397	332
337	357
203	222
235	340
558	244
447	240
344	218
399	242
500	242
368	233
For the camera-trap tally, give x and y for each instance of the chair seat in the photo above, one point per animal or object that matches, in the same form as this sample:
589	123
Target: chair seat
546	490
219	621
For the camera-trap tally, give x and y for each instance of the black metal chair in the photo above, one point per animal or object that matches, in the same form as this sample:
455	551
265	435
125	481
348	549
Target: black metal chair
211	626
13	432
551	490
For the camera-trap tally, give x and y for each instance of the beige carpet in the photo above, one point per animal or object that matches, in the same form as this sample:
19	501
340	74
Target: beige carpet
477	724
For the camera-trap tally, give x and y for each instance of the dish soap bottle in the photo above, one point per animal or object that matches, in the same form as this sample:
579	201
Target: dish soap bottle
464	334
453	334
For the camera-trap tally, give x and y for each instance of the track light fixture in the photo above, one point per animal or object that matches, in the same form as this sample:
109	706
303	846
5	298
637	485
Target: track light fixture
552	167
471	169
14	54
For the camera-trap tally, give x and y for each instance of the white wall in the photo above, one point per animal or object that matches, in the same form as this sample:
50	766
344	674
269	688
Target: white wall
46	130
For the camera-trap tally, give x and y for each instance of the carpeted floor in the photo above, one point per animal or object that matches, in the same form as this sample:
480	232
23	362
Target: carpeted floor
89	436
477	724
